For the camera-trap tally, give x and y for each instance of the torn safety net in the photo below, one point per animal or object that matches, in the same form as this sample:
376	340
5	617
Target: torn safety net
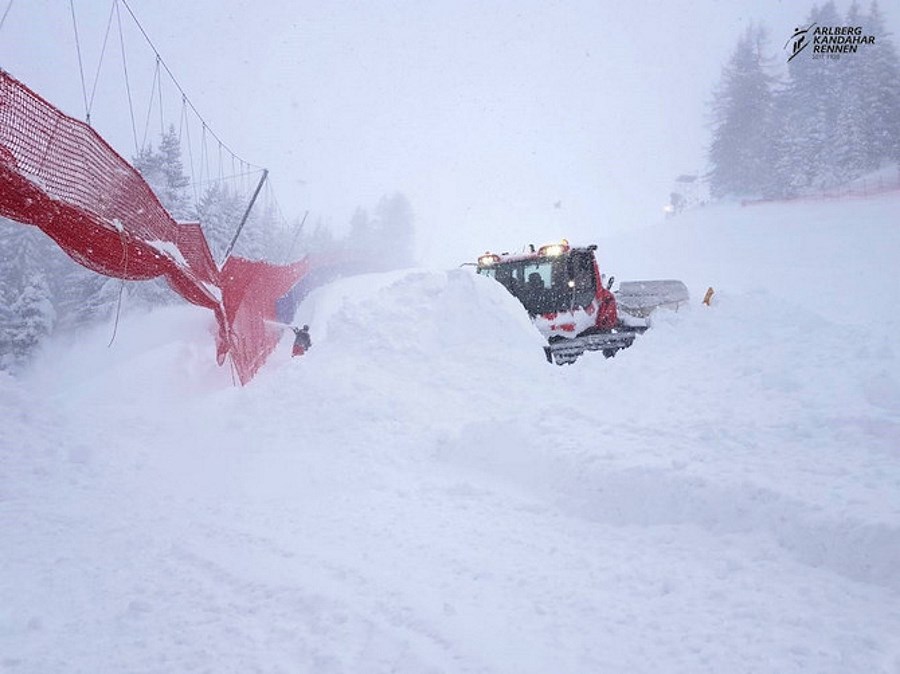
58	174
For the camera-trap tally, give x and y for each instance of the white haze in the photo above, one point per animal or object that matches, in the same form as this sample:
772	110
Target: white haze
502	122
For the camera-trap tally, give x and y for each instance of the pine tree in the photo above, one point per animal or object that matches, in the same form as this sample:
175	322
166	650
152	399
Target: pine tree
175	195
148	163
84	297
788	178
260	234
395	232
358	250
840	118
163	171
809	106
33	315
25	293
294	240
741	152
361	229
880	92
219	212
320	241
848	140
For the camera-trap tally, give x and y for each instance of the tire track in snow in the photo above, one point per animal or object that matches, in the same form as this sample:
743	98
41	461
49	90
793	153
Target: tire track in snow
608	489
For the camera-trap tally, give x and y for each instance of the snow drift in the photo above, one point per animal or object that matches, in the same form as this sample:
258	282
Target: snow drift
423	492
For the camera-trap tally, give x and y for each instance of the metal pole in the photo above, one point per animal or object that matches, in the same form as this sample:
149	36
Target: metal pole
290	252
262	179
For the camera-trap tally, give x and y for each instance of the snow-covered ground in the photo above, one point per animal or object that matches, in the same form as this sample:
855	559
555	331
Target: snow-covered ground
423	493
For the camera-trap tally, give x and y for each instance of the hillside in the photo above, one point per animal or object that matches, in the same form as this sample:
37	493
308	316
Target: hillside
422	492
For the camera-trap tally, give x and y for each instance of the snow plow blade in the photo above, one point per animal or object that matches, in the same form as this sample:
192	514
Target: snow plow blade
640	298
566	351
635	300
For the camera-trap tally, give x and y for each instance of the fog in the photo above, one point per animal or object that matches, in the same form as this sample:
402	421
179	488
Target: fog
502	122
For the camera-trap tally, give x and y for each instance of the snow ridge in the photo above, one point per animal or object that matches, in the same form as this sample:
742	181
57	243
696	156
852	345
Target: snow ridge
421	492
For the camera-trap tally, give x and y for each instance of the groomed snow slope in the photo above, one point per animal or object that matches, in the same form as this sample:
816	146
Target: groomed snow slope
423	493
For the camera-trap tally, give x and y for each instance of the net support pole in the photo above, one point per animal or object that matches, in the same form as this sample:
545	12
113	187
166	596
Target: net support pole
262	180
296	236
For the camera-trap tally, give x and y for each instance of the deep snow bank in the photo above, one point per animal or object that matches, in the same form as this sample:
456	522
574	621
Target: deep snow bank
423	492
836	258
421	343
454	318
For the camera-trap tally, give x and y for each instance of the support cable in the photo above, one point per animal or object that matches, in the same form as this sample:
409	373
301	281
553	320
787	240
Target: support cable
5	14
231	177
181	117
115	331
203	152
172	76
162	124
297	232
87	110
123	237
102	53
187	135
127	82
274	198
150	106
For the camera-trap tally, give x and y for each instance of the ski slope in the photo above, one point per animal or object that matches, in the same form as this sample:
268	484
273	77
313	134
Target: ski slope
422	492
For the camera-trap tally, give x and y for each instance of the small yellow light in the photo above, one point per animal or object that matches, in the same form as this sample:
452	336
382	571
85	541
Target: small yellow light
488	259
553	251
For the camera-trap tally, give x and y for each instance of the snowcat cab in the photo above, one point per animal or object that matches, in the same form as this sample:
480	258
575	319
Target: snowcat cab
563	292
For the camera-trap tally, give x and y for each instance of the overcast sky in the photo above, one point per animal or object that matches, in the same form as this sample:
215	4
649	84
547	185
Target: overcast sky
502	122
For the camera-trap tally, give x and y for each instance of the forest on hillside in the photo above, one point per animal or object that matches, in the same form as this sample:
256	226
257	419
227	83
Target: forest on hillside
833	117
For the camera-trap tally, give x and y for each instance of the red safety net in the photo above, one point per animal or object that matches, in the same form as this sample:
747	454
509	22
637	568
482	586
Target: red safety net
58	174
249	291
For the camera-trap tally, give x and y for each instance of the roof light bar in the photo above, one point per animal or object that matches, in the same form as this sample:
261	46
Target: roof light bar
554	249
488	259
